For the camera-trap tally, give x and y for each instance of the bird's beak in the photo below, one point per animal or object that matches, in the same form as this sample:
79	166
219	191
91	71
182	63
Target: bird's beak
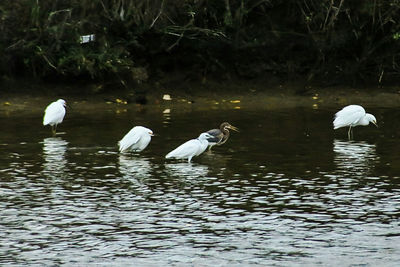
233	128
151	134
374	122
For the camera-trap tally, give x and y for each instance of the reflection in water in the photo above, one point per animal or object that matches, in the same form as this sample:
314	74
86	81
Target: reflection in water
137	167
185	170
354	157
245	204
167	116
54	150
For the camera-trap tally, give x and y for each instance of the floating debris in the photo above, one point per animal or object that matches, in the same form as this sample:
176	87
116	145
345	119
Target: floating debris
120	101
167	97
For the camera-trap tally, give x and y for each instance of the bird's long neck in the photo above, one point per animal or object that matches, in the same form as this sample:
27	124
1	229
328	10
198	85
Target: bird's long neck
226	133
365	120
202	141
203	144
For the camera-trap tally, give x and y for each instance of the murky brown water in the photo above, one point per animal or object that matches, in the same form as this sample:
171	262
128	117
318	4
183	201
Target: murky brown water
287	190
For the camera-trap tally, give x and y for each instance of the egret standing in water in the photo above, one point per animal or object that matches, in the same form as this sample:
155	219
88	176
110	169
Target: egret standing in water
191	148
352	116
221	135
137	139
54	114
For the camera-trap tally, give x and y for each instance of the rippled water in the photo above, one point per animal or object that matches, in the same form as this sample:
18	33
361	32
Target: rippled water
285	191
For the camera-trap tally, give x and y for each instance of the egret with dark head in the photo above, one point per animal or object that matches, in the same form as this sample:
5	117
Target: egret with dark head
137	139
54	114
220	135
352	116
191	148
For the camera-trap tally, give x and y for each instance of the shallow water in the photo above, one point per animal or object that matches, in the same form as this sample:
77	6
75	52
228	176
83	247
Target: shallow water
285	191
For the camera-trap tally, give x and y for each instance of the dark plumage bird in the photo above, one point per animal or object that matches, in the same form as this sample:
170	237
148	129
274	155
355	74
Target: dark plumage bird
220	135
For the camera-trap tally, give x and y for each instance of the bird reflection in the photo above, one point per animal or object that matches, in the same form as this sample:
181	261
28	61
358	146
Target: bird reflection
134	167
54	150
355	158
185	170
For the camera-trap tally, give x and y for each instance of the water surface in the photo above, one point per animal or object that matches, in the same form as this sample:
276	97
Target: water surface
285	191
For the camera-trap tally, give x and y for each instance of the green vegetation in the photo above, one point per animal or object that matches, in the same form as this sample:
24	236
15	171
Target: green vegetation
336	41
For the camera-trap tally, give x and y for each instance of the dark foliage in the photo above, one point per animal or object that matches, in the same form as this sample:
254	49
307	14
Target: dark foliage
332	40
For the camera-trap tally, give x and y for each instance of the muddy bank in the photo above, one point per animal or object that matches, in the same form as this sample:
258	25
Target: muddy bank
189	96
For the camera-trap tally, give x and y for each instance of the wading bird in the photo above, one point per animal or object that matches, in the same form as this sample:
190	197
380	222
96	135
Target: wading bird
136	139
54	114
191	148
221	135
352	116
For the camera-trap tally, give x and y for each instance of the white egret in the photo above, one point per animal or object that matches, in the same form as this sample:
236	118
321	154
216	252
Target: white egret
352	116
221	135
54	114
191	148
136	139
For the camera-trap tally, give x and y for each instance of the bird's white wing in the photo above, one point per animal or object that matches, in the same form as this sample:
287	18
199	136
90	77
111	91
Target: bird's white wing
54	114
130	139
185	150
348	115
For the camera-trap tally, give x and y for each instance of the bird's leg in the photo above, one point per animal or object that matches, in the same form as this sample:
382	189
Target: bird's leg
349	133
54	129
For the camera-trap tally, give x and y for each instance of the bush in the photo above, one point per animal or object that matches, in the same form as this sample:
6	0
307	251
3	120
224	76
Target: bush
314	38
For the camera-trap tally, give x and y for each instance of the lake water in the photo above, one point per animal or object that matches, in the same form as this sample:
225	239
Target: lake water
286	190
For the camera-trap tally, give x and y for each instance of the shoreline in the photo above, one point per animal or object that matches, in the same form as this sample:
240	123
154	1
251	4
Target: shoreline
200	97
